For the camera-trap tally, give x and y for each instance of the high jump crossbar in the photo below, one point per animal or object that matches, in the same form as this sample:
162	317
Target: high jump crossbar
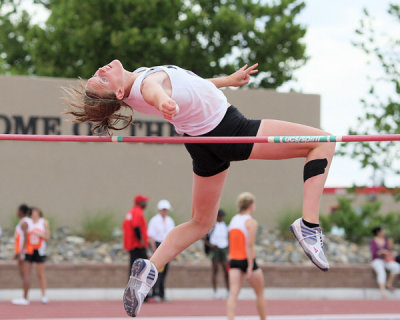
178	139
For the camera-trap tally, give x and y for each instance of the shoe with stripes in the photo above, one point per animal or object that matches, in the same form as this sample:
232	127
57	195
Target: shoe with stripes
143	277
310	240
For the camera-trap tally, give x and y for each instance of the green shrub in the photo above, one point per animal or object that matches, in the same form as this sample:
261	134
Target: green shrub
325	222
98	226
285	219
14	220
52	223
357	223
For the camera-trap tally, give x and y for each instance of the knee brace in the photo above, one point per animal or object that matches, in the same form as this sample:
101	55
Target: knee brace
314	167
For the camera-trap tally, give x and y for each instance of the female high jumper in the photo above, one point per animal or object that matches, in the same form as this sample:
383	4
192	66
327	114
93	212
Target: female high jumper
196	107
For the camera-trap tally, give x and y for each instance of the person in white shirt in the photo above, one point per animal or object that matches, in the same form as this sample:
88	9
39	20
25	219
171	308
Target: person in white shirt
35	251
217	241
159	226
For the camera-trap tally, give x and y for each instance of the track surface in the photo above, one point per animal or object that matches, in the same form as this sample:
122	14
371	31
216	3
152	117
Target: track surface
208	309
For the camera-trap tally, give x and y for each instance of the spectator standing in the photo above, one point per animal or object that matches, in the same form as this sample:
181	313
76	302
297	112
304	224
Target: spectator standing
217	241
135	230
242	237
20	238
159	226
35	251
383	259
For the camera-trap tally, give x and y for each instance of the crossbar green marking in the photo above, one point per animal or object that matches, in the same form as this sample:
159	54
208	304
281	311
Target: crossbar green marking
302	139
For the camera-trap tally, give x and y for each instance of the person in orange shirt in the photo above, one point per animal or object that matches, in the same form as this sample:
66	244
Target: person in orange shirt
242	236
20	237
134	230
35	251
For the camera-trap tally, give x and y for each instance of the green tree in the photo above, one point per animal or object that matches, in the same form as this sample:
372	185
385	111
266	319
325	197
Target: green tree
355	222
382	103
210	37
358	222
14	44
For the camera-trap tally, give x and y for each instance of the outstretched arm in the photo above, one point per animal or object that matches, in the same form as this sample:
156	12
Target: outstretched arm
236	79
156	93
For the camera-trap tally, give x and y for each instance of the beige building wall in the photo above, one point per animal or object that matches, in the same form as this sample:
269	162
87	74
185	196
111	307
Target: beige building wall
68	179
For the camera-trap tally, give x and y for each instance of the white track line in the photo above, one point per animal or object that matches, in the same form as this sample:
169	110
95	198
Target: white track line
310	317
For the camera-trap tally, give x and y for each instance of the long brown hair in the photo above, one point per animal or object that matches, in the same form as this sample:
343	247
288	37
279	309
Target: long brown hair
102	111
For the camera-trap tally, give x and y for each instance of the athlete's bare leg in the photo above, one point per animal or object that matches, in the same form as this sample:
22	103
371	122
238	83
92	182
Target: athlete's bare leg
206	197
214	274
42	278
257	283
313	187
236	277
27	278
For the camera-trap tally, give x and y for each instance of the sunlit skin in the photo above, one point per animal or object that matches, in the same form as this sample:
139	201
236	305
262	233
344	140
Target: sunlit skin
111	79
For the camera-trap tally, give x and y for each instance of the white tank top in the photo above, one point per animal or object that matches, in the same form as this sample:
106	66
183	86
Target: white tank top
35	240
238	222
202	105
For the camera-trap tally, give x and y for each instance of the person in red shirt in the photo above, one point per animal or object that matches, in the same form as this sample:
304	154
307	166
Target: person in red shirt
134	230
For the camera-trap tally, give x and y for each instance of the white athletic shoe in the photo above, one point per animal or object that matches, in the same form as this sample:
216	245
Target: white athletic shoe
143	277
310	240
20	302
44	300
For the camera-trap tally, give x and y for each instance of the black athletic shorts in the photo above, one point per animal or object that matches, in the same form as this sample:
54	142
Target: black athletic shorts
212	158
35	257
242	264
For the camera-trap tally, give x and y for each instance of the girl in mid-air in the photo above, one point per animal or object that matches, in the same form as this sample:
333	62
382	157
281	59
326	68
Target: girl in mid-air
196	107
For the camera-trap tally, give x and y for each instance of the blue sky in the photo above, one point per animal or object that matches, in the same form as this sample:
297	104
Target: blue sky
336	70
